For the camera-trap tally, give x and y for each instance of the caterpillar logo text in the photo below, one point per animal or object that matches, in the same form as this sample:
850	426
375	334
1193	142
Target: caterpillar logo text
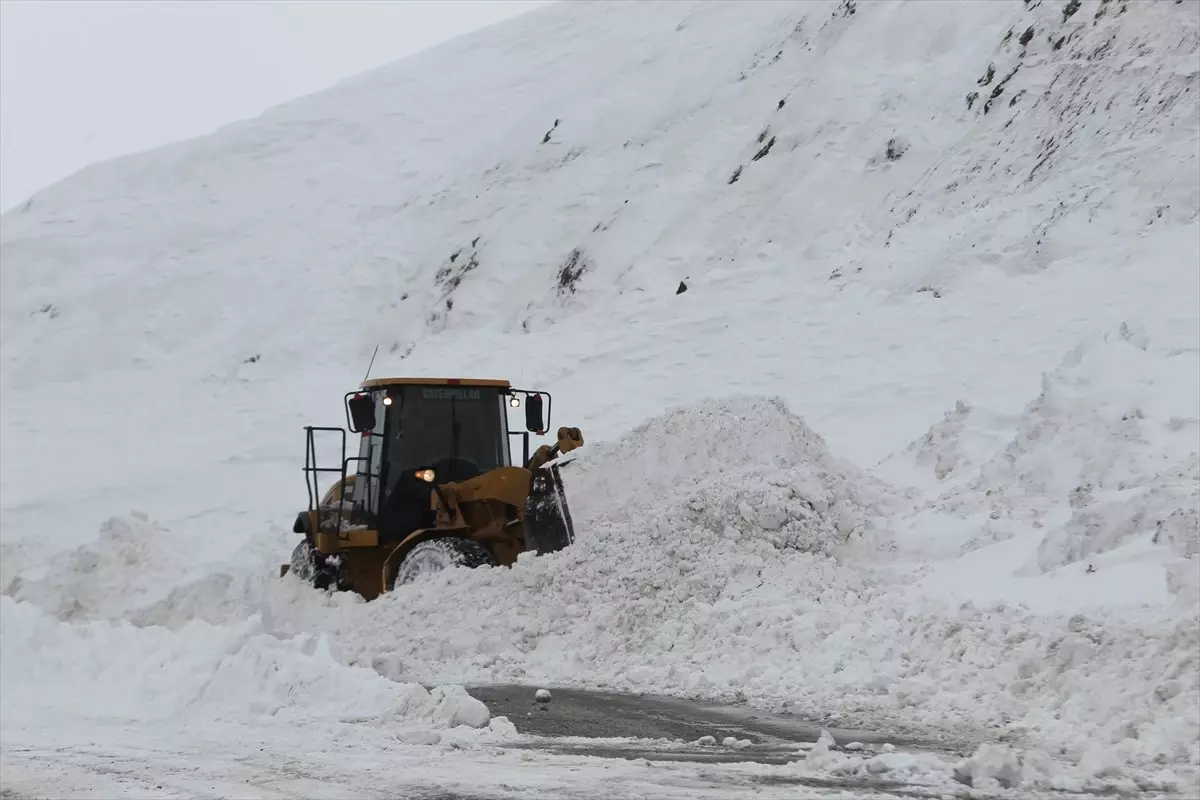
450	394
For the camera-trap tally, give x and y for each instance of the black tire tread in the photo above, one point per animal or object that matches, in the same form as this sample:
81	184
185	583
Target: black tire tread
462	552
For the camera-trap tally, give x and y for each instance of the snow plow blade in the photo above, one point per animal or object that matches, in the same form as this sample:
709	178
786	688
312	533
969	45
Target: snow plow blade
548	526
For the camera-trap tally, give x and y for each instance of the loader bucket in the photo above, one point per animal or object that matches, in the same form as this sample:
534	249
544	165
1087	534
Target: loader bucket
548	526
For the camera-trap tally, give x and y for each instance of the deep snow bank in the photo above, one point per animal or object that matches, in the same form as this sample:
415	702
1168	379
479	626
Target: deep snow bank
201	673
82	638
710	563
1100	469
131	563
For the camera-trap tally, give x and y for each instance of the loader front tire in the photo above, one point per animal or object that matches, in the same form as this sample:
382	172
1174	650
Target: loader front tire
435	555
310	567
302	565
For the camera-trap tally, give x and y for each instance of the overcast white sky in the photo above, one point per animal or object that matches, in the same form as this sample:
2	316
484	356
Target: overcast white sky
86	80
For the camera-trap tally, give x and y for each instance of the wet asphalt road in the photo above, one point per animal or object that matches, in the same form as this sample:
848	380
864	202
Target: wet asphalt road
622	726
589	714
662	729
577	722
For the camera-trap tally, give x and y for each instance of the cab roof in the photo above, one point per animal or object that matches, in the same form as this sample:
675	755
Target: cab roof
374	383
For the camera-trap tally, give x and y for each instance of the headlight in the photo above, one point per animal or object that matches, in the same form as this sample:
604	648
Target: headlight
426	475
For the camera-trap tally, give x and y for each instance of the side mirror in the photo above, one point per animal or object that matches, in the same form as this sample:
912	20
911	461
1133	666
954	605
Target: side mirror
362	413
533	413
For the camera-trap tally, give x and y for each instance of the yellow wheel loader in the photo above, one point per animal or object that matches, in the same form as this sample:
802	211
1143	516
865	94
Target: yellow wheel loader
433	485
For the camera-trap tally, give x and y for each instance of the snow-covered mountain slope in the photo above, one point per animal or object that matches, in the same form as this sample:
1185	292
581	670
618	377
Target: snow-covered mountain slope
960	240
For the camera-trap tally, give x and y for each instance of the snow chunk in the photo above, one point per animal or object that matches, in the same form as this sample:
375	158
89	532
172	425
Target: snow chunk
996	766
455	707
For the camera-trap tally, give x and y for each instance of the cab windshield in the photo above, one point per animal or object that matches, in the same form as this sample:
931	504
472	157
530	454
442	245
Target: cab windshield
458	431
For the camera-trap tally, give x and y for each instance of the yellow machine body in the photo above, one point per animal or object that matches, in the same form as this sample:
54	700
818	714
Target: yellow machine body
491	515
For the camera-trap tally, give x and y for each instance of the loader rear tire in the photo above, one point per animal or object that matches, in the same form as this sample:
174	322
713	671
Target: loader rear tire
435	555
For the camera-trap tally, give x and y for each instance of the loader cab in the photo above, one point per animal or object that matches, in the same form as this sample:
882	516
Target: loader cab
418	433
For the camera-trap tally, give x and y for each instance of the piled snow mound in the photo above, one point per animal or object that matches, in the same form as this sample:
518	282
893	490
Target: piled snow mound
243	586
240	586
1128	424
1104	458
140	572
133	562
952	450
733	468
114	670
15	558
